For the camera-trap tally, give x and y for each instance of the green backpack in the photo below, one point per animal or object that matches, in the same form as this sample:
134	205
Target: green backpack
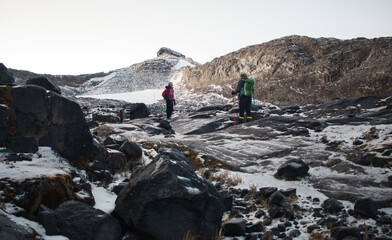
247	90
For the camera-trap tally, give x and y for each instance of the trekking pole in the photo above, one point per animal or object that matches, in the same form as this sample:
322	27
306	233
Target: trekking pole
254	99
234	109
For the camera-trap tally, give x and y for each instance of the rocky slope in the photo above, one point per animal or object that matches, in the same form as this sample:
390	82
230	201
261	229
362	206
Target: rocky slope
299	70
149	74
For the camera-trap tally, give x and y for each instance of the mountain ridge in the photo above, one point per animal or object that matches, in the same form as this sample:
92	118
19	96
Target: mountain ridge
302	70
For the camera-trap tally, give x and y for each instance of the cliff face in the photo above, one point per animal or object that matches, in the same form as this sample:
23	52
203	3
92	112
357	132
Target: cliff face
301	70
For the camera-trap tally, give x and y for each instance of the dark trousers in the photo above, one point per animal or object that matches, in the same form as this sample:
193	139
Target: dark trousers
245	104
169	108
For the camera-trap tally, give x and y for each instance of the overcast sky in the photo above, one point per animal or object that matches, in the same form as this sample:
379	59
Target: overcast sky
88	36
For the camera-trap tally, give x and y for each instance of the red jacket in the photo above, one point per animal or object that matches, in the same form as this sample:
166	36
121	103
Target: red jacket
168	93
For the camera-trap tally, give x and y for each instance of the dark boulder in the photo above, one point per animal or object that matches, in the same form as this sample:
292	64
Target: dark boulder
132	151
31	113
234	227
332	205
108	160
276	198
48	219
138	110
276	211
48	119
340	233
109	141
165	124
45	83
366	207
167	200
9	230
6	77
21	144
79	221
69	133
292	169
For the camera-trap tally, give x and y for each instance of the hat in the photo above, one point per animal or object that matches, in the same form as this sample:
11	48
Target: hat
170	83
243	72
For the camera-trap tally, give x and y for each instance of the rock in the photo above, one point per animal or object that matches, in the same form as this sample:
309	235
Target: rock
109	141
234	227
45	83
266	192
6	77
31	120
167	200
165	124
167	51
79	221
22	144
256	227
30	194
48	219
340	233
259	213
52	120
292	169
276	198
297	62
138	110
10	230
68	133
276	211
132	151
366	207
294	233
118	188
332	205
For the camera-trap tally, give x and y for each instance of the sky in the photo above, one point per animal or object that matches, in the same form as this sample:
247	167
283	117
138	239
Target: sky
90	36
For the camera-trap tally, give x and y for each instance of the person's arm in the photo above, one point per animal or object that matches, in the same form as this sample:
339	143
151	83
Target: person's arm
238	88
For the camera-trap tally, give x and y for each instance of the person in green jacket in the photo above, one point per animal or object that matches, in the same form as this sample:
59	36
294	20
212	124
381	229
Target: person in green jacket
245	90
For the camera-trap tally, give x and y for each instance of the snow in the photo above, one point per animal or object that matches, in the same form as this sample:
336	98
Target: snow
193	191
104	199
181	64
149	96
44	163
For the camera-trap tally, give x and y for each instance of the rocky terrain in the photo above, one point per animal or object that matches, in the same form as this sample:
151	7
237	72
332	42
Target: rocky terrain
70	170
150	74
301	70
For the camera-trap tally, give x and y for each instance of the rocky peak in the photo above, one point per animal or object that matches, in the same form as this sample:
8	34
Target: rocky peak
300	70
164	51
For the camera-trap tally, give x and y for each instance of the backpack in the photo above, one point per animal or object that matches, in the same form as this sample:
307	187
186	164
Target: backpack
247	89
164	94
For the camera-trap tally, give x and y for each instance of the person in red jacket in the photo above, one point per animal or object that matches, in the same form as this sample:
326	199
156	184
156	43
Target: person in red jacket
168	95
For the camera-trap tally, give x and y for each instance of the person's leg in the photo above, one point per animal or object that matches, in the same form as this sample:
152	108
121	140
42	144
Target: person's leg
248	105
242	108
169	108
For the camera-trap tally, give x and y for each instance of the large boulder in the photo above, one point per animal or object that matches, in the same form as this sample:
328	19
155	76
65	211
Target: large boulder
332	205
292	169
79	221
132	151
45	83
68	133
366	207
167	200
138	110
37	117
6	77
